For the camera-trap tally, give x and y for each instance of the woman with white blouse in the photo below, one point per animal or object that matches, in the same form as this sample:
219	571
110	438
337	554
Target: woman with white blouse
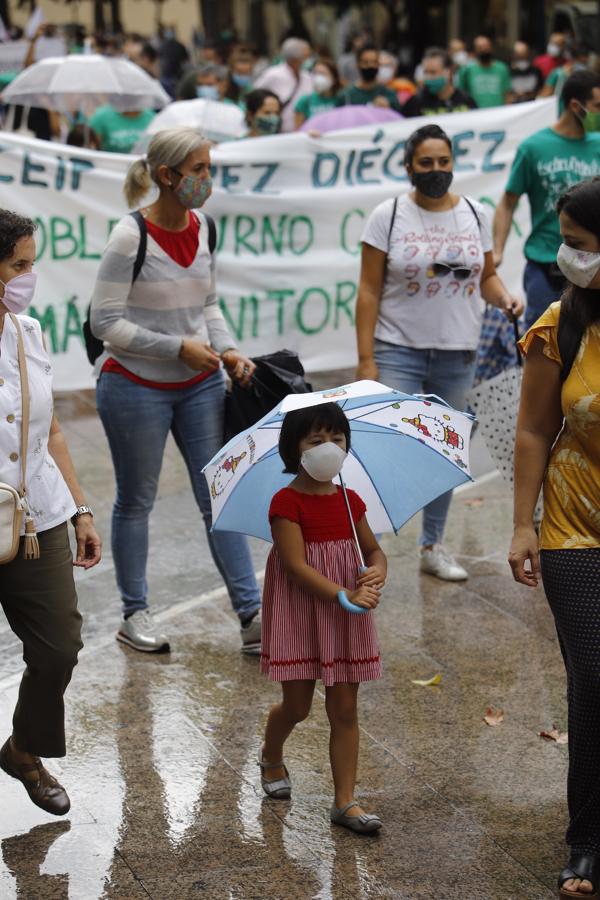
38	594
426	265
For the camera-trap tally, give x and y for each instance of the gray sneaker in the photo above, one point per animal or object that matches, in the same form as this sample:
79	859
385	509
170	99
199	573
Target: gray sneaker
251	636
141	632
440	563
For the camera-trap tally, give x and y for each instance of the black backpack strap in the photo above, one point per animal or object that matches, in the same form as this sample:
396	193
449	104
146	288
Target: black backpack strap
569	337
212	233
474	211
392	220
142	246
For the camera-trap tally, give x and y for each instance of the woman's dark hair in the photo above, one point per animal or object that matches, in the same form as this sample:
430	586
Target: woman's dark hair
256	98
13	227
582	204
333	69
298	424
425	133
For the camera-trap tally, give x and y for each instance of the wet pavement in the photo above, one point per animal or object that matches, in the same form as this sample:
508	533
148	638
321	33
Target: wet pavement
166	798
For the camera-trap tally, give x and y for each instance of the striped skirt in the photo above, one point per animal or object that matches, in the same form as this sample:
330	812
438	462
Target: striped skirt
304	637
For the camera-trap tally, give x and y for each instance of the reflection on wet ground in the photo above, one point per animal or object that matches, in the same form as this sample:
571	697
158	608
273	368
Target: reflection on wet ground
161	763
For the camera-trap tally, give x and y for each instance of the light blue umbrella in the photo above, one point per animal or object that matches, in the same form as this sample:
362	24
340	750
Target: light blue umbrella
405	452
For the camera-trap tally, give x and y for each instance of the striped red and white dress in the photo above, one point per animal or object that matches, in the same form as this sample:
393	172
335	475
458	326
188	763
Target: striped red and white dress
304	636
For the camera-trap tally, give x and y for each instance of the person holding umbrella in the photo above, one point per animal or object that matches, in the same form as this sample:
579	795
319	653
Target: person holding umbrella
558	447
165	339
426	264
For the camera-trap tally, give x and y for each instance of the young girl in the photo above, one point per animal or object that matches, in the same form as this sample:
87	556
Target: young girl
306	634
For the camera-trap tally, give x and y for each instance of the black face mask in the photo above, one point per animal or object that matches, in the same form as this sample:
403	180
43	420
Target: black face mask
369	73
484	58
432	184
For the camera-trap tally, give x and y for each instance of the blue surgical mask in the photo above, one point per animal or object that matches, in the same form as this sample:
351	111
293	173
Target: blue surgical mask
207	92
241	81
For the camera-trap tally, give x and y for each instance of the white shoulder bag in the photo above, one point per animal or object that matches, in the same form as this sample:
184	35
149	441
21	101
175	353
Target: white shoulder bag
13	503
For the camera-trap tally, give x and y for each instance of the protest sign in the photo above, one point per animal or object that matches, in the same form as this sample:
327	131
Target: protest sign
290	210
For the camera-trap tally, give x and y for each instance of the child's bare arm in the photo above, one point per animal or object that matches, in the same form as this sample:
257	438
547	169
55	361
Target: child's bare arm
289	541
375	559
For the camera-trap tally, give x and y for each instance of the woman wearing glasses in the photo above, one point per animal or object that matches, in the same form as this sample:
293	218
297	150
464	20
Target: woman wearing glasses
426	263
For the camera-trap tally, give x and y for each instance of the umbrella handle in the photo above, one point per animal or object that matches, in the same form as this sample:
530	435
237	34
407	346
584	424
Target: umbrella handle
346	604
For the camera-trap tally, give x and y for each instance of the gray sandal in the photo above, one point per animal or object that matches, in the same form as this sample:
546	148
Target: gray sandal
366	823
281	789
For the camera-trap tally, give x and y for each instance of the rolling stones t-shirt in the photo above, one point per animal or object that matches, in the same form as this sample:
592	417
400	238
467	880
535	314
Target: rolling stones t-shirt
431	297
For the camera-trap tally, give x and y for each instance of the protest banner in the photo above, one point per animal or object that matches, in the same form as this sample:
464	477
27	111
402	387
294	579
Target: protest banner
290	210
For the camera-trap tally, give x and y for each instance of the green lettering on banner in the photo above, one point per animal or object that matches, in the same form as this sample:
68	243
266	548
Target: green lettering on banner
268	232
343	231
345	293
62	230
83	254
47	322
238	327
72	324
300	314
279	296
300	249
245	226
41	238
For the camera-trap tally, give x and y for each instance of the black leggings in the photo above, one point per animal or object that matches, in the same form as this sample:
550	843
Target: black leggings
572	584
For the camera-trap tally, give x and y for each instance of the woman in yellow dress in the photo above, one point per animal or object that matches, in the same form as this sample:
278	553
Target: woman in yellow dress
558	446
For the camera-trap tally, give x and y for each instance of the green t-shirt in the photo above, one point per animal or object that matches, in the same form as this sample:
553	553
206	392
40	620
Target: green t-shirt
119	133
356	96
314	103
487	85
556	80
545	166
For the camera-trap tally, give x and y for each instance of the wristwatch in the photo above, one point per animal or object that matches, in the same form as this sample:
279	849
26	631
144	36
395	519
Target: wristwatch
81	511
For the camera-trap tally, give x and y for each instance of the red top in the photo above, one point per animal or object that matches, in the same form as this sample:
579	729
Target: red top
322	517
546	63
181	246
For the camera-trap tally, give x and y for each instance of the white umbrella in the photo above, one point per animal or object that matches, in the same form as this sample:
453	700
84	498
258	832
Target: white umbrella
82	83
216	120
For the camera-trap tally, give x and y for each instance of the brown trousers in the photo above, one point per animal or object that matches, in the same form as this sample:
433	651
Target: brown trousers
39	600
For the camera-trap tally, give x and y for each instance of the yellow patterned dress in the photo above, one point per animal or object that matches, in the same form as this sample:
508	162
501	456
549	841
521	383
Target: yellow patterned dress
572	482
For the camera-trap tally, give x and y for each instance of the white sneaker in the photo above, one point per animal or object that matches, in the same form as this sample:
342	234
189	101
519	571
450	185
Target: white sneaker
251	636
440	563
140	631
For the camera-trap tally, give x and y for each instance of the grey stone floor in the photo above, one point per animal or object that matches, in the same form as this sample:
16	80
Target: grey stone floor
165	791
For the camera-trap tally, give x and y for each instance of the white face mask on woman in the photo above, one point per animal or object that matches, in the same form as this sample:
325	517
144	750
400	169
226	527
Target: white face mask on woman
18	292
578	266
324	461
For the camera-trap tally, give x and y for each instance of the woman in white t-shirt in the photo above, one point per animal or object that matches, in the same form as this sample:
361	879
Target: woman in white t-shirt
426	265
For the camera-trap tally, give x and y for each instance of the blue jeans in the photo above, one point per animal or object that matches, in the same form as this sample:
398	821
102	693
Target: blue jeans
447	373
137	421
540	290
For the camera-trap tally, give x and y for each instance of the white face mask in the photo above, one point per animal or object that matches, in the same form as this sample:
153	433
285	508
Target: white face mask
324	461
553	50
460	58
578	266
385	74
18	292
322	83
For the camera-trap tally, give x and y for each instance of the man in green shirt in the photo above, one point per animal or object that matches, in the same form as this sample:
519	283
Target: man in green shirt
367	90
118	132
486	80
546	164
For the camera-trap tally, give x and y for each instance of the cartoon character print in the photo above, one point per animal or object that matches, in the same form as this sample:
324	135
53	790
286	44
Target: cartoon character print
438	430
473	250
469	289
453	252
338	392
411	271
225	473
410	251
413	288
452	289
433	288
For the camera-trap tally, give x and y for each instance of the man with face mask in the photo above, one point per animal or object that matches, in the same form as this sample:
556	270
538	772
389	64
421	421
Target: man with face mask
555	55
546	164
526	79
368	91
486	80
202	82
438	94
288	79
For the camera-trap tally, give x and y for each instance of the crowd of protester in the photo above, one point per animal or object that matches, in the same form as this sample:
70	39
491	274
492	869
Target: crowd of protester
282	94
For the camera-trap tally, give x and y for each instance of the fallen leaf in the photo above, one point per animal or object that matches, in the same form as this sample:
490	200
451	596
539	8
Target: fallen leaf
493	716
559	737
429	682
474	501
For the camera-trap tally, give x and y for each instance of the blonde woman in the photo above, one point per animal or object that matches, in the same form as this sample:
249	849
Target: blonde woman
165	339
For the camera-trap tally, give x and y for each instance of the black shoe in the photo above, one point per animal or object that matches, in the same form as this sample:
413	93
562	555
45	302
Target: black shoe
581	865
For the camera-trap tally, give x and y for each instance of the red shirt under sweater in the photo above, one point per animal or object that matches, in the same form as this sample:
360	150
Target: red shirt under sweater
182	247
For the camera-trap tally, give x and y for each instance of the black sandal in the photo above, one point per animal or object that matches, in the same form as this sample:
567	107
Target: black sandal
585	866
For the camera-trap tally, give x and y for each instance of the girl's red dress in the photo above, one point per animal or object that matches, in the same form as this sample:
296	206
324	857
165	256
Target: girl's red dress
303	636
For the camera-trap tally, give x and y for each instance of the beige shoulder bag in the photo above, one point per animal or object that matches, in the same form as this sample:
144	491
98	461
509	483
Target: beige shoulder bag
13	503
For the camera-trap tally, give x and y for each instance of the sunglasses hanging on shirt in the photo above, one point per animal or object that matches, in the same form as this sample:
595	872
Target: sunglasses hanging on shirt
439	270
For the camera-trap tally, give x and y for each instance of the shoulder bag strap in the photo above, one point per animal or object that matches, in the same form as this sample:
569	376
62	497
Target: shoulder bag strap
474	211
392	220
24	402
141	250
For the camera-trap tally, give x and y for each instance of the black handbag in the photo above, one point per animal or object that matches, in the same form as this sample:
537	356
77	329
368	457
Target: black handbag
277	375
